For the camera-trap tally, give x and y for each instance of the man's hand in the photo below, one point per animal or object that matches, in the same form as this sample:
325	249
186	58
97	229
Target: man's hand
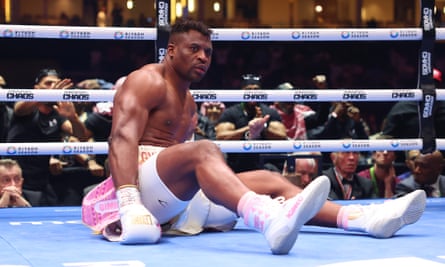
12	197
56	166
256	126
66	109
354	113
139	226
63	84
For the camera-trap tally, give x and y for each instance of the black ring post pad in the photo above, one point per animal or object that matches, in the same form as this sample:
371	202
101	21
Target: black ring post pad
427	106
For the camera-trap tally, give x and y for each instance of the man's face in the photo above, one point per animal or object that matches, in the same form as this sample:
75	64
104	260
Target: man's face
213	111
192	55
252	104
384	157
412	155
10	177
427	167
47	82
345	162
305	171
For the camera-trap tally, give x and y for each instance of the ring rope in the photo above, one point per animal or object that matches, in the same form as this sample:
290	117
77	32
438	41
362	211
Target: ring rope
274	146
219	34
299	95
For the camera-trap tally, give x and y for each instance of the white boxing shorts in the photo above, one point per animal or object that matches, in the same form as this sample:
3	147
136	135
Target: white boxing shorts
155	195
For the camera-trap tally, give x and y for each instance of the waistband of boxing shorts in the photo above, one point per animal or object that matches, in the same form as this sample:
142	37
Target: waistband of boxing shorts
100	207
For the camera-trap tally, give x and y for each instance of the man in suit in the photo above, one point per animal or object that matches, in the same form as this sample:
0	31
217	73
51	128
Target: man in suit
426	175
345	183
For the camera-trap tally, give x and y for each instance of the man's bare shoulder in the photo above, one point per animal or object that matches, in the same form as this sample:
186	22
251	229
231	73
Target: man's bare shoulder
145	80
150	73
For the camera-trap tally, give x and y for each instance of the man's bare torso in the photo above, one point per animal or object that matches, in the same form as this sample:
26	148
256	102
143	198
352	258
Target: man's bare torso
170	120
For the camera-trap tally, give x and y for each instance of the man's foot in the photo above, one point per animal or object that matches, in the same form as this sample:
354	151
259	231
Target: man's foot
387	218
280	222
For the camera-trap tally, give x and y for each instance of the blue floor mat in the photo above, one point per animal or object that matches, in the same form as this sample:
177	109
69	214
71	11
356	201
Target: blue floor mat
55	236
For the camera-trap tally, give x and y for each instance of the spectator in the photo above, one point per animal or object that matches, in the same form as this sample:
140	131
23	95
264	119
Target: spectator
304	171
77	173
293	115
345	183
426	175
249	121
382	173
43	122
337	120
321	108
410	156
344	121
402	121
11	181
208	117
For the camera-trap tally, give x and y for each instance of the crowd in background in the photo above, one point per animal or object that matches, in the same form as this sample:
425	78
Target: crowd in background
346	65
64	180
370	65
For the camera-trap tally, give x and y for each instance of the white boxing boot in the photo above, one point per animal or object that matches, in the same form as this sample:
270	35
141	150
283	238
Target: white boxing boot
385	219
281	220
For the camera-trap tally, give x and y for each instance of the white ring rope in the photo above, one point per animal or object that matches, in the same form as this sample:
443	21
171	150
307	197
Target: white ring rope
298	95
220	34
32	149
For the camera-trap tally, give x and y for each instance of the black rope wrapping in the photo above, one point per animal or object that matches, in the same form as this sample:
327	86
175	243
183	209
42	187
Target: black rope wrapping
427	106
162	28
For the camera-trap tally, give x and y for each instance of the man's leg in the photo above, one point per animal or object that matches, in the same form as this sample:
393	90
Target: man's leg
378	220
187	167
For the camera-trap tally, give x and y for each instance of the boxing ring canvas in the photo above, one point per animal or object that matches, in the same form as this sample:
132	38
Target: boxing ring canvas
55	236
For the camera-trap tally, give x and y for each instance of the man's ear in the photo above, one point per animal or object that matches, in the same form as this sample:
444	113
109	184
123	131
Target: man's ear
171	50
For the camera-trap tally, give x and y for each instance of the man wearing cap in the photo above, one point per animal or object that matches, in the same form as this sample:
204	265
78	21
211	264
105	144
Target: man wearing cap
43	122
250	121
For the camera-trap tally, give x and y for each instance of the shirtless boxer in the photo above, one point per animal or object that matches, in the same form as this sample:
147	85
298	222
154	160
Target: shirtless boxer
152	118
152	115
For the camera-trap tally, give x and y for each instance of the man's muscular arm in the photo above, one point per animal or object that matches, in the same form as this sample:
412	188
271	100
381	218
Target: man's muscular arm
130	117
132	105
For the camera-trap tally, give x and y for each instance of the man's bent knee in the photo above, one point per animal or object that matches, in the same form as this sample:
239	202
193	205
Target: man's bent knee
206	148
